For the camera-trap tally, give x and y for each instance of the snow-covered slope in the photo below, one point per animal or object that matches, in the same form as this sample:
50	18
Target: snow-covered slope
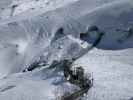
35	34
37	6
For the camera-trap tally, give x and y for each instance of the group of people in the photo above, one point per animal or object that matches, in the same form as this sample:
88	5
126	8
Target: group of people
86	36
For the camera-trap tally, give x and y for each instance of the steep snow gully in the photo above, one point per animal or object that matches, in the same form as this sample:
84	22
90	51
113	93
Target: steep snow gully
96	34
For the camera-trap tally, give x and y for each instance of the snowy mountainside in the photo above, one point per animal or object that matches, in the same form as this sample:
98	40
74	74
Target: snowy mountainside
55	35
21	6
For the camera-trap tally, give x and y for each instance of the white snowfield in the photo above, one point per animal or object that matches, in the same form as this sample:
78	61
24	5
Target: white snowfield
31	31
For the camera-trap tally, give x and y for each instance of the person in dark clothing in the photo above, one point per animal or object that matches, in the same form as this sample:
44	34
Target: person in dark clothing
83	36
13	9
91	37
59	33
